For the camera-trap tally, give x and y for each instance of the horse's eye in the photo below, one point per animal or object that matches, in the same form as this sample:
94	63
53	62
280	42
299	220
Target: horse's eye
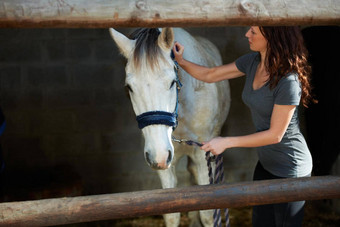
172	83
128	88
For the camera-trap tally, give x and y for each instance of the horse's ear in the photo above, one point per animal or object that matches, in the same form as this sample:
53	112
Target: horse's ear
124	44
166	39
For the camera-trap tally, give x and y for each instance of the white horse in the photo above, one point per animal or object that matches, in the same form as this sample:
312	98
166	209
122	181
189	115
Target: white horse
202	108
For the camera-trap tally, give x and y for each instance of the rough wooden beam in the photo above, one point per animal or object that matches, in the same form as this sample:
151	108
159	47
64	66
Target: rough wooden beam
159	13
132	204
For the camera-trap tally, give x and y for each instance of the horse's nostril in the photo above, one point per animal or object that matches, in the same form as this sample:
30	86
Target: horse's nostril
168	161
147	157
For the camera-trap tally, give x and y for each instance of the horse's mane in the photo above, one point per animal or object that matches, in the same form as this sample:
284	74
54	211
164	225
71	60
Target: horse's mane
146	47
147	51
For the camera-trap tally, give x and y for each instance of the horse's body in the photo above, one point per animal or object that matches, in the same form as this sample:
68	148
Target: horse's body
202	107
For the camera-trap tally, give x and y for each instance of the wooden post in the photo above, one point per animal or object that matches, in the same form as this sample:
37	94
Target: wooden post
154	202
159	13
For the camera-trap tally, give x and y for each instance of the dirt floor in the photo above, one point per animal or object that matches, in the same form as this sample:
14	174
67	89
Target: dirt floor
317	214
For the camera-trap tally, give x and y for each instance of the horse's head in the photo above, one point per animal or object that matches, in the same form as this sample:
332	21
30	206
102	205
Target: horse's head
152	84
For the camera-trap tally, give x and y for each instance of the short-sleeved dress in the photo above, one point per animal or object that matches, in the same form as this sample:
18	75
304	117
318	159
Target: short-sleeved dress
291	157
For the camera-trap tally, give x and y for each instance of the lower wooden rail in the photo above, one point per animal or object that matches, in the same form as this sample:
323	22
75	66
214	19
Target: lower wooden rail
153	202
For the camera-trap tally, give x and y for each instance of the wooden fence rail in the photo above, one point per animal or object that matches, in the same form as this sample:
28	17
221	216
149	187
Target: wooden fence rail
158	13
153	202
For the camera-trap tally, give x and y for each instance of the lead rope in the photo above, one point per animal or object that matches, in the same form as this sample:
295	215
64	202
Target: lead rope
216	178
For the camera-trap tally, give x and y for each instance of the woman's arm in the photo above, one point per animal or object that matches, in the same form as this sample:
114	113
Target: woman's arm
209	75
281	116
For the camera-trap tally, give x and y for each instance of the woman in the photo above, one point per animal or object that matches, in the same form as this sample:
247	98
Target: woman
276	83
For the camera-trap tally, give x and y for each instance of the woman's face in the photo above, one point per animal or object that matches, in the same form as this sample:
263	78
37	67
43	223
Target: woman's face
257	42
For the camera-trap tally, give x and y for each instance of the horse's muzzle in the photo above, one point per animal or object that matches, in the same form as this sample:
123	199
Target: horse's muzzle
158	165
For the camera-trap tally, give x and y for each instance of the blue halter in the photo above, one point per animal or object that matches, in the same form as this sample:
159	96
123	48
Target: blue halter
162	117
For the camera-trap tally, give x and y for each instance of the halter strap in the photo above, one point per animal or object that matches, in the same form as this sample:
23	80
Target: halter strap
157	117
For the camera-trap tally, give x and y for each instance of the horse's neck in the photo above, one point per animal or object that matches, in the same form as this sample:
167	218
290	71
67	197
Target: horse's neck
189	82
199	51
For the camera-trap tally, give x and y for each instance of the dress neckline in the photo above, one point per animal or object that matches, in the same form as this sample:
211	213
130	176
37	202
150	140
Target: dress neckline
253	78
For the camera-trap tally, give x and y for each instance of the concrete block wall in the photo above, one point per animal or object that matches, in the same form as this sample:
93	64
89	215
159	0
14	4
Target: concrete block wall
70	126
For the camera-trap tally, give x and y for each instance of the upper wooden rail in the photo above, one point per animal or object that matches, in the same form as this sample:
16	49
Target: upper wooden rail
159	13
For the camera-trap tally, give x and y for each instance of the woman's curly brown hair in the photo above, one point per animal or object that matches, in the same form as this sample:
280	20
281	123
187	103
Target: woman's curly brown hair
287	53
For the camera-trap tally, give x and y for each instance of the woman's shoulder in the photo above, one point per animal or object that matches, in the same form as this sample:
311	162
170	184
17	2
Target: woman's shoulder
246	60
288	84
251	56
290	77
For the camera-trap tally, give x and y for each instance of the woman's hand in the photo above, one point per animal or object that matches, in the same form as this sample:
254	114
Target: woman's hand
178	50
216	145
205	73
